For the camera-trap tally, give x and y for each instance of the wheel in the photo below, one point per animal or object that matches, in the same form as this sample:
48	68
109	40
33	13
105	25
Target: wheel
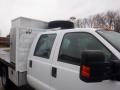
4	77
6	83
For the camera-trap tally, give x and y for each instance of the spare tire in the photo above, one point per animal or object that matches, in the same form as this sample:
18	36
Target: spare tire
60	24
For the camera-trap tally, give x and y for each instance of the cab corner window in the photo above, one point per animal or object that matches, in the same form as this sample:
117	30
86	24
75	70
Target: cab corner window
44	45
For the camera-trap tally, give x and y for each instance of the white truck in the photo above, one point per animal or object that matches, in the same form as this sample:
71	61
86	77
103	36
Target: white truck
61	59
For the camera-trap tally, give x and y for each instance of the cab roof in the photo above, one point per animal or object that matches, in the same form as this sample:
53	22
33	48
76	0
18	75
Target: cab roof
74	29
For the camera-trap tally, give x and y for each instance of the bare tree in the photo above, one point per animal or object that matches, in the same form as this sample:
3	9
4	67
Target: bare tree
117	24
109	20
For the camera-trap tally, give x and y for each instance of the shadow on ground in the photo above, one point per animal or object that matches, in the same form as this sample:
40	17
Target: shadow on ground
13	87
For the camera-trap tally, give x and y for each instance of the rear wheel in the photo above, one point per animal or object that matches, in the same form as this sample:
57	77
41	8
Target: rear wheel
6	83
4	77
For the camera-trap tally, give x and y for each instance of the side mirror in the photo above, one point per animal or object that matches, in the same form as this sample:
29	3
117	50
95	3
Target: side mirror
92	66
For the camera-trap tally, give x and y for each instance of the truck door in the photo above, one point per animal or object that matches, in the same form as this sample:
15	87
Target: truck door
39	62
66	66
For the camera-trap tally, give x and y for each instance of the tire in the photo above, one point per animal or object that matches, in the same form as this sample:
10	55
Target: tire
4	77
5	82
60	24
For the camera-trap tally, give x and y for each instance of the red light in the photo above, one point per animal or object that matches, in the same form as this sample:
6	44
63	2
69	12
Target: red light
85	71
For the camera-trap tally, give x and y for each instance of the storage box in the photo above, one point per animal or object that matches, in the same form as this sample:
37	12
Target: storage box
22	34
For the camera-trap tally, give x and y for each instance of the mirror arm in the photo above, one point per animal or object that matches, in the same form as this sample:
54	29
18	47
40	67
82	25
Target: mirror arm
108	71
112	71
115	70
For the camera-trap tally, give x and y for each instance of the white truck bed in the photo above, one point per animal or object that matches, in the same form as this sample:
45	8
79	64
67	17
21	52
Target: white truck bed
4	55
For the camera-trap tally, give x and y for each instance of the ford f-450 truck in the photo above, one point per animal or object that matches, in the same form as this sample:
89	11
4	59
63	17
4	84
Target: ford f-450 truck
60	59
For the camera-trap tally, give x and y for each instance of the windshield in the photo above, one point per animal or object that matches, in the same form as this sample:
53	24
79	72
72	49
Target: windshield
112	37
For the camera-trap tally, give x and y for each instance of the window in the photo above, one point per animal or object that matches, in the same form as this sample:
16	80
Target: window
74	43
112	37
44	45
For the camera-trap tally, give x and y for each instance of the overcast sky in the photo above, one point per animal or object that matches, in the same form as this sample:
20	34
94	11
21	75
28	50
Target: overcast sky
47	10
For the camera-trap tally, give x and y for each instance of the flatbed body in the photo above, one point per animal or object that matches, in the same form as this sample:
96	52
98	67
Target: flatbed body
5	57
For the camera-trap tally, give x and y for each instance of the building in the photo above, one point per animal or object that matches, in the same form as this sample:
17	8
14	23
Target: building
4	41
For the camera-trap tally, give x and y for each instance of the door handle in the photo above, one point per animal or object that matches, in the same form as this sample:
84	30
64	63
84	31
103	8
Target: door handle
30	63
54	72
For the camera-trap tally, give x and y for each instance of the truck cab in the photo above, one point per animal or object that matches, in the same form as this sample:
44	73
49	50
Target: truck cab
55	58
